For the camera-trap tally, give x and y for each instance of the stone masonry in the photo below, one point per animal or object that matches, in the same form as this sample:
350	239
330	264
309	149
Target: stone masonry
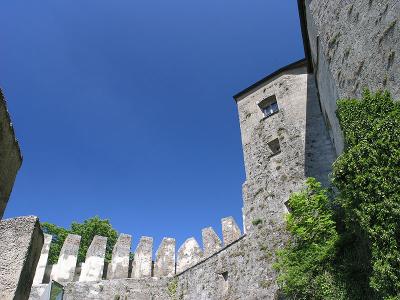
64	270
21	241
119	266
351	45
92	268
10	155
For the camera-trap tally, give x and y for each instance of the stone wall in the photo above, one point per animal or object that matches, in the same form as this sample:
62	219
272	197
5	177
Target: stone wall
146	274
21	241
10	155
353	45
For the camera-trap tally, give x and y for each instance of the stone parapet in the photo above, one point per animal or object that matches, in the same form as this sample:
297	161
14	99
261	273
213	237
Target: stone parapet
21	241
44	255
92	268
165	258
211	241
189	254
230	230
119	266
142	261
64	270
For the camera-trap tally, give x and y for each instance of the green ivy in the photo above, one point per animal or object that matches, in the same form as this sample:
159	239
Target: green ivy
349	247
304	264
367	176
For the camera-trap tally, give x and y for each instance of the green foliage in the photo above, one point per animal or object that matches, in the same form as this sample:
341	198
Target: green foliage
172	288
87	230
350	250
304	264
367	176
256	222
59	234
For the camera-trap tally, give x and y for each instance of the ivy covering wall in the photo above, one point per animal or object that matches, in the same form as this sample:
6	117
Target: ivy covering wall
347	245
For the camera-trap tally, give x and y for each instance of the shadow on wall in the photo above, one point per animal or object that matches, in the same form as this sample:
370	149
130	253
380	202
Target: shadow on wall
319	150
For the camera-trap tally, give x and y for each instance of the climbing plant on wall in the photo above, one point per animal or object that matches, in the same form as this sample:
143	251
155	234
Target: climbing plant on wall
359	256
367	176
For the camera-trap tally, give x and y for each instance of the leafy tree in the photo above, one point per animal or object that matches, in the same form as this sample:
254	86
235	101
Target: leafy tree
87	230
59	234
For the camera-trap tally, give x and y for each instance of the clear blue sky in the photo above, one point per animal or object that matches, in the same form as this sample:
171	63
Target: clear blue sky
124	109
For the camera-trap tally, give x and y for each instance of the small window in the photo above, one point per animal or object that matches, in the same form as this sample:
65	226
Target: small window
274	146
269	106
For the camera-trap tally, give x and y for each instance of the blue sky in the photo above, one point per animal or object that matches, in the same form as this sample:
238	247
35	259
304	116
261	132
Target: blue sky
124	109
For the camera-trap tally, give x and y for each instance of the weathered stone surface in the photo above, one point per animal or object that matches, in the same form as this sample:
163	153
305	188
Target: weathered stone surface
40	292
21	241
119	266
92	268
121	289
142	261
165	258
189	254
211	241
41	267
10	155
230	230
64	270
354	45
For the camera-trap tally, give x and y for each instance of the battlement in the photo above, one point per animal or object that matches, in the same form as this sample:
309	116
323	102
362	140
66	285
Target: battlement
167	263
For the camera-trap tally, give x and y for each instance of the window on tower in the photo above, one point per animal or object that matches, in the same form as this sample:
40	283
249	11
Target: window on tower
274	147
269	106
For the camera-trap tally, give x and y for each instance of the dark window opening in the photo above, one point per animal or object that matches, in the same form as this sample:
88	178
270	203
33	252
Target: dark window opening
269	106
274	146
288	206
225	275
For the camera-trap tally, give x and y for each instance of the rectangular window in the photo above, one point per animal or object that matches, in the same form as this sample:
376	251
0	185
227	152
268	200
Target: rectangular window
274	147
269	106
270	109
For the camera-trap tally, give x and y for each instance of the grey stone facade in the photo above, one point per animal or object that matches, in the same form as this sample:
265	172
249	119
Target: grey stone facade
10	155
351	45
21	241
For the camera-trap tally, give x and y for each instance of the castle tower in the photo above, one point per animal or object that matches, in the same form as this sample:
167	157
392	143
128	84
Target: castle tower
284	141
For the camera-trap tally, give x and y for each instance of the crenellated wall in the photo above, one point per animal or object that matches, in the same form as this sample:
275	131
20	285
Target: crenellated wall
166	262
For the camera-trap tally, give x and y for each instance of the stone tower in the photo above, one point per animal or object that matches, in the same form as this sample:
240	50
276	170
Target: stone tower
284	141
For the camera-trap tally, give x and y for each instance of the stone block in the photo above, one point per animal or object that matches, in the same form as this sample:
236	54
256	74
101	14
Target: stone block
10	155
21	241
64	270
211	241
92	268
119	266
142	262
44	255
230	230
189	254
165	258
